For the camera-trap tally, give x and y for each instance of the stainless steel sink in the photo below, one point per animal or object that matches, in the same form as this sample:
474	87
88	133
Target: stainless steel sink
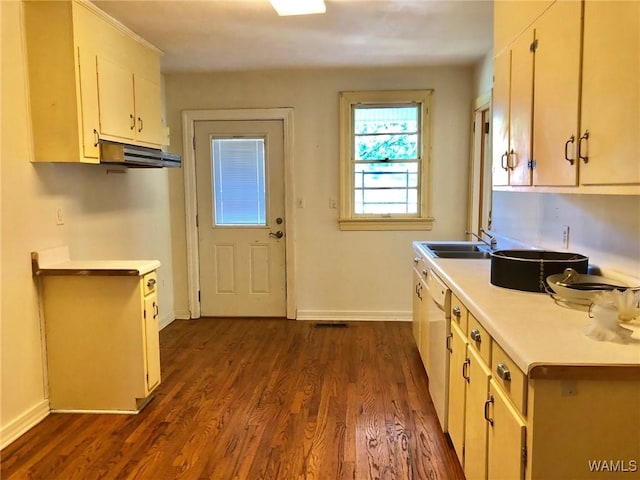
462	254
467	250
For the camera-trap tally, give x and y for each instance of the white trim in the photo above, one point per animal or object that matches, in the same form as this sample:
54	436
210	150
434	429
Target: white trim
182	315
189	117
166	320
354	316
24	422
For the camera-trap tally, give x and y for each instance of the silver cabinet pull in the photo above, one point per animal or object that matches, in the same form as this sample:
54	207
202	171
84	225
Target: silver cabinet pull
456	311
475	335
424	272
416	260
486	410
151	283
503	372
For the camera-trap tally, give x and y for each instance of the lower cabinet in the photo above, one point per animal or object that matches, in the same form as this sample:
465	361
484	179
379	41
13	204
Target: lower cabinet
102	341
482	419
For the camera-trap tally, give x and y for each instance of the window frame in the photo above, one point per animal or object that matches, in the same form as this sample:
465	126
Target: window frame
349	220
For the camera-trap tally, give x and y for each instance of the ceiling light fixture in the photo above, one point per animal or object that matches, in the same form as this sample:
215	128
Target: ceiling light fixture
298	7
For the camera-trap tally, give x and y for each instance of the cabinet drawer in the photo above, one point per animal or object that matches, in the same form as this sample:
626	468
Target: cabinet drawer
419	265
459	313
479	339
506	374
150	282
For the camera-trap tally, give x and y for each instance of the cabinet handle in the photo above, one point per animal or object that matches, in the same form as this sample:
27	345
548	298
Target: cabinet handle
151	283
96	138
156	310
416	260
503	372
449	340
486	410
133	121
465	369
140	124
503	157
456	312
585	136
475	335
510	165
566	149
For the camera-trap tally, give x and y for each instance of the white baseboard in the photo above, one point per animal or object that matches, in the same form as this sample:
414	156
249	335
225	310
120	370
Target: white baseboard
24	422
166	320
353	316
183	315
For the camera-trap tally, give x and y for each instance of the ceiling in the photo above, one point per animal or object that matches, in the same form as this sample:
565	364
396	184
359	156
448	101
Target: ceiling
215	35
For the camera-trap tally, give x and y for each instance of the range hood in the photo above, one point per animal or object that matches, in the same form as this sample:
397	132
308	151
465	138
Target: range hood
134	156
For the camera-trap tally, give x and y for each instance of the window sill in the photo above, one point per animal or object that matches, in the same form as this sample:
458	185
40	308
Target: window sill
387	224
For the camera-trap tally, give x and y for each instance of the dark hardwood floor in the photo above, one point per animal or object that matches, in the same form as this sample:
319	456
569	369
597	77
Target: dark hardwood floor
258	399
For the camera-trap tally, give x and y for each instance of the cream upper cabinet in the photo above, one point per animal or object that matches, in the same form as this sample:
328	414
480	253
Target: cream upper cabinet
584	118
77	58
512	105
557	95
611	93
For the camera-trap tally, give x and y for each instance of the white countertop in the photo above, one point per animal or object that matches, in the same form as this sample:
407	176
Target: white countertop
55	261
531	328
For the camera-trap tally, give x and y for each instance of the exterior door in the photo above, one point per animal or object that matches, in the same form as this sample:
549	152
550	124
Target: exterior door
240	199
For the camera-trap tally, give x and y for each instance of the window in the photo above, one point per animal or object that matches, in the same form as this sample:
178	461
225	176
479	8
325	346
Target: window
384	160
239	196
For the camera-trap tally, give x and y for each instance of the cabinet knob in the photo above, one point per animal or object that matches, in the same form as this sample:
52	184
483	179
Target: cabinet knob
456	311
475	335
425	271
503	372
151	283
416	260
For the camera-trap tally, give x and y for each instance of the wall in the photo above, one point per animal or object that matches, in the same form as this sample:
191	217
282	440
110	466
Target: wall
106	216
339	274
604	227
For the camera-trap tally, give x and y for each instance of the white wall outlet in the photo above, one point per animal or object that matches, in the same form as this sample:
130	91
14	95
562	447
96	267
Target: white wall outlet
59	216
565	236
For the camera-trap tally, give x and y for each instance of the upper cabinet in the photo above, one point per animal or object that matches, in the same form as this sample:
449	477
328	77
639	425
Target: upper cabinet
89	79
566	98
610	94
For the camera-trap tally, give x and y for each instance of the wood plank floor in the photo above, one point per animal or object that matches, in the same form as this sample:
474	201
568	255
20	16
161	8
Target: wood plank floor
258	399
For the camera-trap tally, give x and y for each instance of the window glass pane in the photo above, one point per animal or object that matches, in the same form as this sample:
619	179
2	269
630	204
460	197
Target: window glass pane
386	132
386	201
386	188
239	195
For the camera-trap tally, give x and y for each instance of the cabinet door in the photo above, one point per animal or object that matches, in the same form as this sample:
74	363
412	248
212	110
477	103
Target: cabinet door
557	95
475	434
148	111
417	303
520	118
611	93
425	327
506	437
152	341
500	107
457	390
115	97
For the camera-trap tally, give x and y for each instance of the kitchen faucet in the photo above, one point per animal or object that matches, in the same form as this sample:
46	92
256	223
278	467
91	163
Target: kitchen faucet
493	242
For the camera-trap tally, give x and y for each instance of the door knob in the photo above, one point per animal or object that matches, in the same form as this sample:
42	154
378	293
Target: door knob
278	234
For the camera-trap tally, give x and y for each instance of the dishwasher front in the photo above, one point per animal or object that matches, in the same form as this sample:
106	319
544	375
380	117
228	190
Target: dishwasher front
437	321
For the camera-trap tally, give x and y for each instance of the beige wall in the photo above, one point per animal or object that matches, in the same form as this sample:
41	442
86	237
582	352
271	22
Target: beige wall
344	274
483	75
107	216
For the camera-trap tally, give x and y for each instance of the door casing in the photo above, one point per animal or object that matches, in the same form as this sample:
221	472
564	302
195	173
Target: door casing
189	117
